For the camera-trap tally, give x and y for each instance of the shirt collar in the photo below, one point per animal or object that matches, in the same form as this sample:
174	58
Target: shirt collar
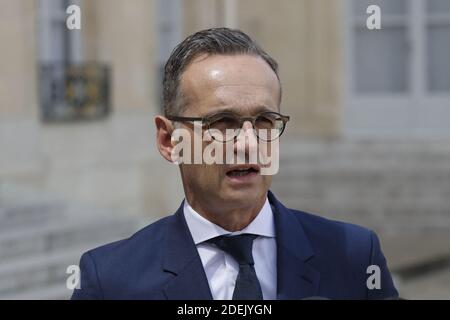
202	229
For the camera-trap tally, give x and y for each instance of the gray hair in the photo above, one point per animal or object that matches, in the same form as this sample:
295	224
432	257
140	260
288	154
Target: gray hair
211	42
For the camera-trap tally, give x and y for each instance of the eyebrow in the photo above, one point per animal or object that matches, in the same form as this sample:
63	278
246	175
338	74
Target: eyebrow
257	110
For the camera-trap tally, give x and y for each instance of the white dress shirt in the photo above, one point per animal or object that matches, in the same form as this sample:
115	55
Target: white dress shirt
222	269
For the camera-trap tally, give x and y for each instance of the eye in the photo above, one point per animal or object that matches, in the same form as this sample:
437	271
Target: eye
266	121
223	122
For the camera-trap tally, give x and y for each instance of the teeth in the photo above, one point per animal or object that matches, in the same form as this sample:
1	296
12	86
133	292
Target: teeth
241	172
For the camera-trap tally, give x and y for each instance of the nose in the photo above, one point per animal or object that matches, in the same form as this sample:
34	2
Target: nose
246	143
247	125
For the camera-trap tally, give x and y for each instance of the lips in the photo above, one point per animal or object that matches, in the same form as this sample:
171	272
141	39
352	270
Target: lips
244	170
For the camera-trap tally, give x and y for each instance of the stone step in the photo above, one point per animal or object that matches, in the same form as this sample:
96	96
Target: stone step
58	235
405	250
53	292
41	271
37	271
428	147
374	184
19	215
31	270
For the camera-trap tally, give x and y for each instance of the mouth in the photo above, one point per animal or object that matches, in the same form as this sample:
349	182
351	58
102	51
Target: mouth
243	171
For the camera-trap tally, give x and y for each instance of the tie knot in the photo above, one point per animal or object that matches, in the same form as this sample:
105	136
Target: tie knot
239	247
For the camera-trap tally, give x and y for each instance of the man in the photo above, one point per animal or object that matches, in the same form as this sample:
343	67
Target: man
231	238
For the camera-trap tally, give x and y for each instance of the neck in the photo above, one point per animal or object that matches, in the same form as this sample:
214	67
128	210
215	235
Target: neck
229	218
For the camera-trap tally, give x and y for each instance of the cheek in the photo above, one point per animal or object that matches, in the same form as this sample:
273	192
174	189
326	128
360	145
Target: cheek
267	180
209	175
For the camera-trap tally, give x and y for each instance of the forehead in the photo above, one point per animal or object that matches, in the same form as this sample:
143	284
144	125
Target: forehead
238	82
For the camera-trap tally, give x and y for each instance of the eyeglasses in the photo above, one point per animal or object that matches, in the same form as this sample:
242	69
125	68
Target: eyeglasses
267	126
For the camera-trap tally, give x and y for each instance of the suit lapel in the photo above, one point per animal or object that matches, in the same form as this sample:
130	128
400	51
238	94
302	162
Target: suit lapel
296	279
181	258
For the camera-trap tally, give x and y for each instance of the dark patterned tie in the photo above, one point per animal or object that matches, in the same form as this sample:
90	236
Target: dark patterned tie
247	286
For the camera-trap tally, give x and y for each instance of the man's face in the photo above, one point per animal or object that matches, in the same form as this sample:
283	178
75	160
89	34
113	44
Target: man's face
241	84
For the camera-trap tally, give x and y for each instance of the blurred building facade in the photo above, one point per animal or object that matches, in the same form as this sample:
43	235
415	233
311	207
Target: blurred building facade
369	140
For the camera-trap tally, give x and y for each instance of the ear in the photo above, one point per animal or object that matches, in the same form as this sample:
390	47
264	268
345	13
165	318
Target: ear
164	130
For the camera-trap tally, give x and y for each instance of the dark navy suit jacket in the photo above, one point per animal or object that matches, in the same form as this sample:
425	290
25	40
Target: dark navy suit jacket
316	257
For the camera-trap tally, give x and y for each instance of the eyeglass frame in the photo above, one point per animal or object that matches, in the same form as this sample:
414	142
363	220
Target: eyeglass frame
205	122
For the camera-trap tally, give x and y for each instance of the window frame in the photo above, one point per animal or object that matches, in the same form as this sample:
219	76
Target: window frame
417	113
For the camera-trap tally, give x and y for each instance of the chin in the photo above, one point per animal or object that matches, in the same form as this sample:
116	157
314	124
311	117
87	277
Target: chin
242	197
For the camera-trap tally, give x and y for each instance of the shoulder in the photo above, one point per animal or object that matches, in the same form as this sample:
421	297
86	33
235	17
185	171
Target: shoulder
312	222
345	254
146	240
115	269
328	235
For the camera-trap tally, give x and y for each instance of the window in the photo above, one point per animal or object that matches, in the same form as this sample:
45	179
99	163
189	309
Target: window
69	88
169	20
438	46
398	77
56	42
